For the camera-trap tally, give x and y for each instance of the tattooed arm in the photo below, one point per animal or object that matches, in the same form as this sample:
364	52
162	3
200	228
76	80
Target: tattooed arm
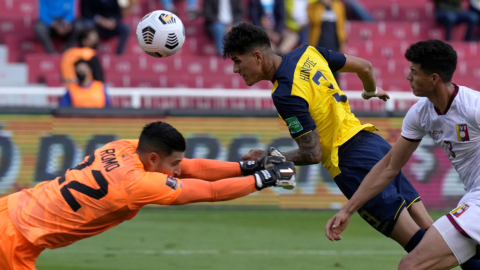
309	150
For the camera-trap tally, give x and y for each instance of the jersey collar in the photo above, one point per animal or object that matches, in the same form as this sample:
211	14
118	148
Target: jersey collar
454	94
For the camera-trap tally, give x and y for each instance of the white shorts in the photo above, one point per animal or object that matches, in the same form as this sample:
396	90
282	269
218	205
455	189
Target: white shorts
460	228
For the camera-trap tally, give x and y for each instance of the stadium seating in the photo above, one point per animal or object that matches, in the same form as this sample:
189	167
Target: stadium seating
398	10
383	43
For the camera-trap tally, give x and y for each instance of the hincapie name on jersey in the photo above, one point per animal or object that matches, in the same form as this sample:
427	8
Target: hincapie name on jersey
306	68
109	160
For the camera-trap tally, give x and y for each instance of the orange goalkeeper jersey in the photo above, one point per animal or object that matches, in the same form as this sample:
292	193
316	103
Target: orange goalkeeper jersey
104	190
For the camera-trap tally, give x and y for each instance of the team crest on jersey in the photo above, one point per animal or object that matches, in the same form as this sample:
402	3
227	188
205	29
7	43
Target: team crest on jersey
172	183
460	210
462	133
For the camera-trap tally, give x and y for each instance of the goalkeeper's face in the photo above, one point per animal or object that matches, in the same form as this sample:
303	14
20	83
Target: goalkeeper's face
250	66
163	163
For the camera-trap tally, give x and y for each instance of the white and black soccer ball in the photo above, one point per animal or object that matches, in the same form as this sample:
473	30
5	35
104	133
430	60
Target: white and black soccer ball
160	33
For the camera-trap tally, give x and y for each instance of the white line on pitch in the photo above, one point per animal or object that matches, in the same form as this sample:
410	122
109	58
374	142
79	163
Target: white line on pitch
318	252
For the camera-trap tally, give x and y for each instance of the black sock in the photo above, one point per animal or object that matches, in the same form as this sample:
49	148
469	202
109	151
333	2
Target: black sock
472	264
416	238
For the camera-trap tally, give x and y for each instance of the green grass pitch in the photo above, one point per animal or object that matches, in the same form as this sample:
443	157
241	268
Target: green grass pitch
228	239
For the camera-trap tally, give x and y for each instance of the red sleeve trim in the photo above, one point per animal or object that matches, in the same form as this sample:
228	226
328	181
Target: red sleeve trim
411	140
455	224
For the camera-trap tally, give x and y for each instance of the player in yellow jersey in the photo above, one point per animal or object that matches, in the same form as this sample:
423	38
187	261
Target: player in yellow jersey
318	115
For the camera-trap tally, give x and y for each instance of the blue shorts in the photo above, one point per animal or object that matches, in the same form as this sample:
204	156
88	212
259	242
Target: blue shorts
356	158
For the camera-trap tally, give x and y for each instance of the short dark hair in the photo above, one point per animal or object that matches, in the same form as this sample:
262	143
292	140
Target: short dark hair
160	137
84	34
242	38
434	56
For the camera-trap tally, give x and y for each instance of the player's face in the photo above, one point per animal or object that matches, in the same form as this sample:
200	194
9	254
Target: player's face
248	66
170	165
420	82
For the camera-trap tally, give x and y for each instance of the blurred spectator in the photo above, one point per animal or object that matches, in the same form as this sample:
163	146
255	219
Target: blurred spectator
450	13
475	7
127	6
270	15
88	41
357	11
192	10
87	93
327	24
297	24
56	18
220	16
106	17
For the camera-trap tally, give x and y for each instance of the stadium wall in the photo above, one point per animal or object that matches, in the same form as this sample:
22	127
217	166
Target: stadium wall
38	147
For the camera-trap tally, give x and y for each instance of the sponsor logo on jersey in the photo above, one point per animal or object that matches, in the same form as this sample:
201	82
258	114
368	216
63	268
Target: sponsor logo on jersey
460	210
462	133
294	125
435	134
172	183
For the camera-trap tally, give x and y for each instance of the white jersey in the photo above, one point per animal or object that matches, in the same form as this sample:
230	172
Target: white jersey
457	131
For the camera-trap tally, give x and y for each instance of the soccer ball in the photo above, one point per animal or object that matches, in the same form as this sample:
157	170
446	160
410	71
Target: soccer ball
160	33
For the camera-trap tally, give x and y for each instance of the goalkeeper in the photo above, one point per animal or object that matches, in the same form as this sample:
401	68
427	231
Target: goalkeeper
111	185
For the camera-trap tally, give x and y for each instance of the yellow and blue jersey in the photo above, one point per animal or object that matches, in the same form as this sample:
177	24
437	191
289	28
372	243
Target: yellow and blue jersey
307	97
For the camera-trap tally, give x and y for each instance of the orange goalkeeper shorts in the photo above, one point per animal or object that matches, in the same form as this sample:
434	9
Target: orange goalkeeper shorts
16	253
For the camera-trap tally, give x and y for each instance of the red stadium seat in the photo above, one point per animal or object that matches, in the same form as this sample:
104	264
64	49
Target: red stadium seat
15	26
416	31
400	23
18	8
394	49
41	65
385	10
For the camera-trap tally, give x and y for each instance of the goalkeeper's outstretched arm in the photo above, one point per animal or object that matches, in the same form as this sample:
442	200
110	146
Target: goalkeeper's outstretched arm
195	190
209	169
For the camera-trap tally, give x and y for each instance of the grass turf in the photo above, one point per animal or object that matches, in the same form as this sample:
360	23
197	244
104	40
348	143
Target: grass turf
228	239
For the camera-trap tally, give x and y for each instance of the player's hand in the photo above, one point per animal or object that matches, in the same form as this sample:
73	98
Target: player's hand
267	161
281	175
253	154
272	158
381	94
336	225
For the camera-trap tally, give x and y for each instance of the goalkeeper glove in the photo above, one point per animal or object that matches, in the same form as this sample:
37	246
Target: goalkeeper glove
281	175
272	158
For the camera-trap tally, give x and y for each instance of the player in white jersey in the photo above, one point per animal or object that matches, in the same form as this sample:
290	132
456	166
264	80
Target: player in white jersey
450	114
